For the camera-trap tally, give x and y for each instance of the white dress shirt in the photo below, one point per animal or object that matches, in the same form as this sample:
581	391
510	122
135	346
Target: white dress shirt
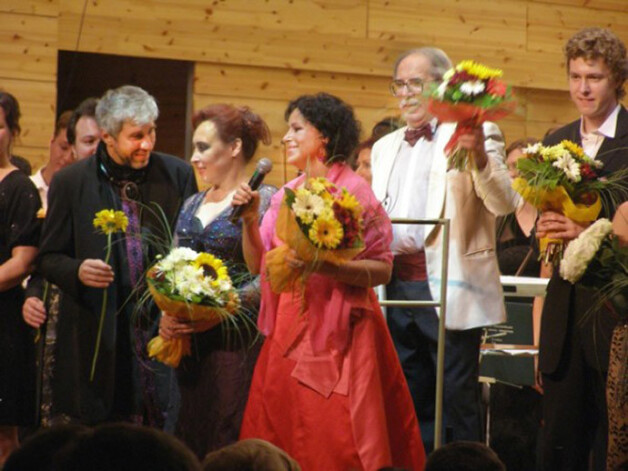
407	194
42	187
592	141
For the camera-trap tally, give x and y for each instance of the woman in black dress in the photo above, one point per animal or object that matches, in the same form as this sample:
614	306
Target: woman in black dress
19	235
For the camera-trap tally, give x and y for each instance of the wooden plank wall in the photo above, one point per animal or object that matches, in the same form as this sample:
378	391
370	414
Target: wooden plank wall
264	52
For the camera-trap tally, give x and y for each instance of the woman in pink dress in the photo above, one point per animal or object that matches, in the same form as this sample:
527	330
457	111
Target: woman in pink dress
328	387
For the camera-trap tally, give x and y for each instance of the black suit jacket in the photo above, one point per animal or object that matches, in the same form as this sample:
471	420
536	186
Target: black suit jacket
76	193
565	302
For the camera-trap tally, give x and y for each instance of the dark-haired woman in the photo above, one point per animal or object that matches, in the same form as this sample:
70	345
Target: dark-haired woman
214	381
328	387
19	235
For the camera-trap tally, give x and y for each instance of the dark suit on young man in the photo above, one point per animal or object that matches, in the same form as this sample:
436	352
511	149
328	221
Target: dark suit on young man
574	345
123	388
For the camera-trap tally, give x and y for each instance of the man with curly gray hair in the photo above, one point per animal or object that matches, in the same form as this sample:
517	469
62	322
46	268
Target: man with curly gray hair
125	174
574	339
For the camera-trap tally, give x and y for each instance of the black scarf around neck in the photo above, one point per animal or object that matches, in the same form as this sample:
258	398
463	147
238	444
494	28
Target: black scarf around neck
118	174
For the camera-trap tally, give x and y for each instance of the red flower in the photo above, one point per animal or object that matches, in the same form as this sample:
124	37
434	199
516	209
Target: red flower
587	173
496	88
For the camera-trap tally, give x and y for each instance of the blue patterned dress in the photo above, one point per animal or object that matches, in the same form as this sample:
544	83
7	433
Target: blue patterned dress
214	381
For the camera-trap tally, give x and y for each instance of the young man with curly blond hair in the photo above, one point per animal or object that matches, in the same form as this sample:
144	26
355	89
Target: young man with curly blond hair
574	340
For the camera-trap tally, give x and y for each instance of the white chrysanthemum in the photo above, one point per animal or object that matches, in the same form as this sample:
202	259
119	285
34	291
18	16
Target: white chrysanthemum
224	285
449	74
532	149
581	251
177	258
307	206
472	88
569	166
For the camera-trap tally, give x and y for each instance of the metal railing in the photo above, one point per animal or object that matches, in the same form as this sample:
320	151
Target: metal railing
442	304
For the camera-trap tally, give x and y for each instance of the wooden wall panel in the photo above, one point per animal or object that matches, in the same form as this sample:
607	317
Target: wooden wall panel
38	115
31	7
616	5
450	23
551	25
28	46
110	29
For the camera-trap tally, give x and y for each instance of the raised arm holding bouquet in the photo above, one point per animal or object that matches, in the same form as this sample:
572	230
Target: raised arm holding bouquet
469	94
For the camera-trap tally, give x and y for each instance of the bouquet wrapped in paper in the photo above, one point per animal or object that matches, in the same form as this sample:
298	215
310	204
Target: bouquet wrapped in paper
190	286
321	223
563	179
469	95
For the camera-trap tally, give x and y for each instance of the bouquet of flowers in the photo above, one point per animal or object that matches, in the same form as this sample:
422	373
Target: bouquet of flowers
596	259
560	178
322	223
189	286
469	94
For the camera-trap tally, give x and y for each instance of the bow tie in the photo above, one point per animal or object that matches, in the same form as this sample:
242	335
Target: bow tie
413	135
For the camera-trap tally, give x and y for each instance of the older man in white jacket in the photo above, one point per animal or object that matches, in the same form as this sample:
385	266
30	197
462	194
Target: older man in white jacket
411	179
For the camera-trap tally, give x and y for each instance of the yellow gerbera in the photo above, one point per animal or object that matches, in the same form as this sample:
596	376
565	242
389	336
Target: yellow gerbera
212	267
350	202
572	147
479	70
326	233
110	221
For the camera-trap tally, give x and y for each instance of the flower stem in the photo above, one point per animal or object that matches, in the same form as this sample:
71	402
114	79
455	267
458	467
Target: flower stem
103	310
38	334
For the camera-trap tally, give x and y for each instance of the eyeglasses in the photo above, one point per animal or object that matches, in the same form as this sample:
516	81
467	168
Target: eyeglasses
414	85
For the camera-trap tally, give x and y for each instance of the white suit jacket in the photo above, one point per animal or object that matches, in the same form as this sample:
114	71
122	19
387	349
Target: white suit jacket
471	200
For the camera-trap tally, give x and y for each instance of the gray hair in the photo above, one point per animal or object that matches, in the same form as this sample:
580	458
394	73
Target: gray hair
126	103
439	62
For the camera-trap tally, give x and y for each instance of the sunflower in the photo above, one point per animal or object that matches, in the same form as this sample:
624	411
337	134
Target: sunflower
212	267
110	221
326	233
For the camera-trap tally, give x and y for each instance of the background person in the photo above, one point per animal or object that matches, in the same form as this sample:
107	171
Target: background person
19	236
83	130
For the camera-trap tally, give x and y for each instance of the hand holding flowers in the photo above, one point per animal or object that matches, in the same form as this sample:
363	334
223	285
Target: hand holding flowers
321	226
98	273
564	183
190	287
469	94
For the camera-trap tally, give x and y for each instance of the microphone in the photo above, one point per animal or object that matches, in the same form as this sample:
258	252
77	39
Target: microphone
263	167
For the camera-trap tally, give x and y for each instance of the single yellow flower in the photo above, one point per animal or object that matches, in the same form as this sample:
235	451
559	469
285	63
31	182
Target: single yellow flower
110	221
41	213
212	267
326	233
479	70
